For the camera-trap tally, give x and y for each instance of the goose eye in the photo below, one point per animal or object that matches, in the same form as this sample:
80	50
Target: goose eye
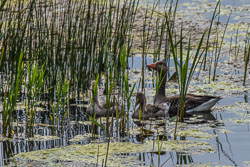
160	63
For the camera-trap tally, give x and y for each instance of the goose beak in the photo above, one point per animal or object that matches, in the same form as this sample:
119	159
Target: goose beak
153	66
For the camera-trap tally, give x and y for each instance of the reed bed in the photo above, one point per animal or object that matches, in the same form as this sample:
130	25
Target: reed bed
51	50
68	42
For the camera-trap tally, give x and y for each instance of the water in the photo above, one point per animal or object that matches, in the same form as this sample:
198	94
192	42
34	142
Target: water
205	9
230	127
230	140
232	146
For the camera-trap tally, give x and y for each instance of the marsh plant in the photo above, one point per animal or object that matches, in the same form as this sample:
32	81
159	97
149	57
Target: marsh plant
214	16
11	95
126	90
59	110
246	56
76	36
218	43
182	66
83	40
34	86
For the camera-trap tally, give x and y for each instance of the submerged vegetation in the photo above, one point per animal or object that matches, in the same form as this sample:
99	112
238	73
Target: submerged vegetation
52	50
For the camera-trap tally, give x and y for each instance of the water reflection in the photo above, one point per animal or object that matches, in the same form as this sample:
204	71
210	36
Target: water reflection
180	158
149	132
220	149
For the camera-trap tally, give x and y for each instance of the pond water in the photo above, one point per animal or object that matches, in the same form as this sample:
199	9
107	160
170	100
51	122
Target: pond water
222	136
218	138
231	137
205	8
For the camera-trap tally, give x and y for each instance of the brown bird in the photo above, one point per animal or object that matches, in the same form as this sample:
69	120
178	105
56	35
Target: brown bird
99	107
148	110
193	104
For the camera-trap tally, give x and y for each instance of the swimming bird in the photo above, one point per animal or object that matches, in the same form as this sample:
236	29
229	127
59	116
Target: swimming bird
193	104
98	106
148	110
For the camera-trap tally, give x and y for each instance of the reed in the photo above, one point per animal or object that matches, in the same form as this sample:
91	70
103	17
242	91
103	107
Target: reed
236	50
76	42
10	100
59	110
127	91
93	95
81	40
246	56
215	14
182	65
218	48
34	85
84	32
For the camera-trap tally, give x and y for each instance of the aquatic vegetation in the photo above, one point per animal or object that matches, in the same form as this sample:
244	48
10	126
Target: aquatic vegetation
87	154
79	138
34	85
43	138
194	133
64	45
246	56
181	67
10	99
60	110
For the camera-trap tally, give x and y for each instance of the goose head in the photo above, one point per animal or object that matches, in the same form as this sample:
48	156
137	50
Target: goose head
140	99
158	66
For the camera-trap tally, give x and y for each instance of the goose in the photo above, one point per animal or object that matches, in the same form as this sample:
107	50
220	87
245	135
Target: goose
194	103
148	110
99	107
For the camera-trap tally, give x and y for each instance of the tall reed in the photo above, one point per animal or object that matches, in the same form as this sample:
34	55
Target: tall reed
75	39
10	99
59	110
246	56
181	66
219	46
79	39
215	14
126	88
34	85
